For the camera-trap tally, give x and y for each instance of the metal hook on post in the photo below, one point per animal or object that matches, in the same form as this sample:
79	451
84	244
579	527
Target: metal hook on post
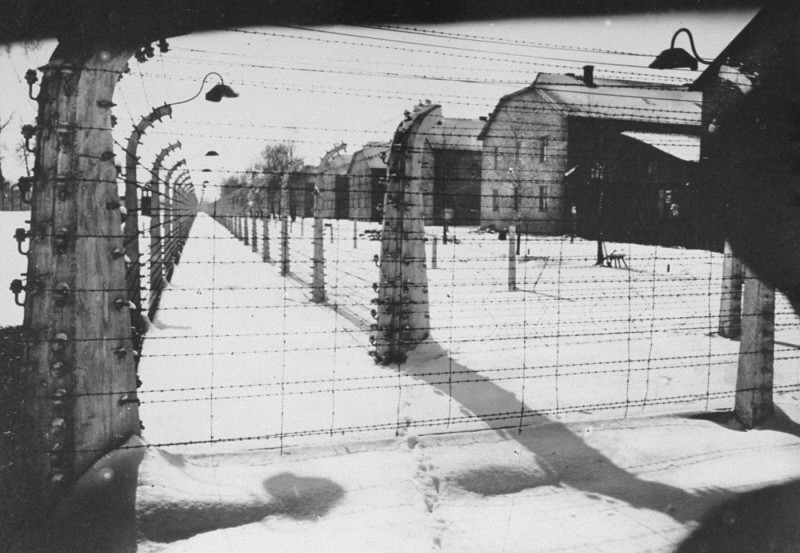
24	186
31	78
20	235
17	288
28	132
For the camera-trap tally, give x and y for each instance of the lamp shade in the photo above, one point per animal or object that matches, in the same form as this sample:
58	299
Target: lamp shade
674	58
219	92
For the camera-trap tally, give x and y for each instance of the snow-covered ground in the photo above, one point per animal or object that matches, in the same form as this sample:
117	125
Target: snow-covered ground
552	418
244	359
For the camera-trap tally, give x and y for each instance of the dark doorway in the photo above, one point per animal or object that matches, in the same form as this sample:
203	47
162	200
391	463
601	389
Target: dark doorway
342	197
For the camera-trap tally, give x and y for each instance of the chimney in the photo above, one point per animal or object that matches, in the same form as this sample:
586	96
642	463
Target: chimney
588	75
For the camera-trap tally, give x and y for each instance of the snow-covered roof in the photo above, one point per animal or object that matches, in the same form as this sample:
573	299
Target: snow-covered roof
372	153
621	100
682	146
612	99
456	134
338	165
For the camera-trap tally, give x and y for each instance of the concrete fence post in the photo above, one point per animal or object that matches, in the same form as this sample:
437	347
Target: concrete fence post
318	276
265	239
285	266
80	375
132	205
156	217
253	234
756	353
512	260
730	310
402	312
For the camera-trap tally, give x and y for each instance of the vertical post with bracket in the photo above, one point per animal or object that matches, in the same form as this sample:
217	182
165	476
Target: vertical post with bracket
156	245
132	219
402	313
79	358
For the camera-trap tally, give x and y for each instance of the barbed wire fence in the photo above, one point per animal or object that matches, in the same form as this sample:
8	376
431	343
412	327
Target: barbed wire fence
268	326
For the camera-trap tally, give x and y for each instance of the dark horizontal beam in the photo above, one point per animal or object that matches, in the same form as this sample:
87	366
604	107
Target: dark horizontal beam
136	22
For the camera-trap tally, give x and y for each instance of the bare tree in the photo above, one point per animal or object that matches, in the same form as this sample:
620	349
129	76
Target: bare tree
2	128
4	185
519	153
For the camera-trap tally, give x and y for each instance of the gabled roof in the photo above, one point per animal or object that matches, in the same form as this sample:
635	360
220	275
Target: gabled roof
610	99
681	146
456	134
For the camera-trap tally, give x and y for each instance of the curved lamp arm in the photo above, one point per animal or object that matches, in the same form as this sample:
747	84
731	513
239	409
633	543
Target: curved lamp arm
691	43
215	94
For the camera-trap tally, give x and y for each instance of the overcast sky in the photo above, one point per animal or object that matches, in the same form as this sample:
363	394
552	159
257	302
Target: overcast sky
321	86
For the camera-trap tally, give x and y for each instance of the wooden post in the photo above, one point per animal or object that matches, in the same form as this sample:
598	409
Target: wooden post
79	360
402	313
730	310
512	259
434	260
245	229
355	234
756	352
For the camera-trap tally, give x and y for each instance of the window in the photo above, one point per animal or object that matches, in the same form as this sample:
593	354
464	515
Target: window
544	145
494	157
495	200
542	198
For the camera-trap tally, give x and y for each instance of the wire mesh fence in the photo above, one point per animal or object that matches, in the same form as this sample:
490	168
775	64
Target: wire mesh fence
573	339
607	305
